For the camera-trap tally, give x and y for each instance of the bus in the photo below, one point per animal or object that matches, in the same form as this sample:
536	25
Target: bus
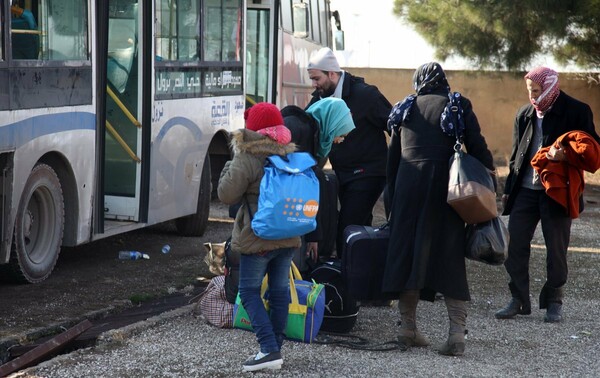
281	37
114	115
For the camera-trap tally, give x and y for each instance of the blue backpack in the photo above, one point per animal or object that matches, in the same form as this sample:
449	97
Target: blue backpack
289	197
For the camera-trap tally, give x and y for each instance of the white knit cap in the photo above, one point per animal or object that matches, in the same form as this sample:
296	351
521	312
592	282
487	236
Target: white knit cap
324	60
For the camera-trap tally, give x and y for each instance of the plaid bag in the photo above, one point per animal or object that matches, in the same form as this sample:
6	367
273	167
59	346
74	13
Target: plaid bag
213	306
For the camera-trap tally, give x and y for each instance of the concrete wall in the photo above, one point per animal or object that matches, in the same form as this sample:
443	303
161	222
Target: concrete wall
496	97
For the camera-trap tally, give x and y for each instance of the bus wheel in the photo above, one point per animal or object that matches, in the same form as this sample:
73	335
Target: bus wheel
38	227
195	224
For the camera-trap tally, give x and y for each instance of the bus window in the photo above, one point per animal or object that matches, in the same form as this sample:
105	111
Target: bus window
314	22
122	38
178	28
300	12
49	30
325	21
223	33
25	34
1	32
257	56
286	15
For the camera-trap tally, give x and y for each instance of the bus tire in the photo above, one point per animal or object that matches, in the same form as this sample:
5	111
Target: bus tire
38	228
195	224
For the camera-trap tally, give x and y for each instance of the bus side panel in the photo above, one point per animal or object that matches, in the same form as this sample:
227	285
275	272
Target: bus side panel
182	131
296	86
67	140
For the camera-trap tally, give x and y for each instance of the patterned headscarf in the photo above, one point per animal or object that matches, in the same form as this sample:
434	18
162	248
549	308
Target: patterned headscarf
548	80
428	78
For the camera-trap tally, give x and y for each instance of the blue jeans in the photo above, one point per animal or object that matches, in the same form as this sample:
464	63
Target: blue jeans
268	327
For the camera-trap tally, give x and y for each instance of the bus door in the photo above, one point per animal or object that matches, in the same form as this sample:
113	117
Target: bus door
122	164
260	51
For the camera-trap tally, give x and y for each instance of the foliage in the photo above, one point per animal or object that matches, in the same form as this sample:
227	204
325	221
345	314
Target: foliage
508	34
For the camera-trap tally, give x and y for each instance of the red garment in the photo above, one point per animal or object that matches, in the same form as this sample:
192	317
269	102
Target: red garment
563	180
548	80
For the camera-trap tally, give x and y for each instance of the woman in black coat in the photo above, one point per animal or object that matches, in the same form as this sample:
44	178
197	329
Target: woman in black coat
427	237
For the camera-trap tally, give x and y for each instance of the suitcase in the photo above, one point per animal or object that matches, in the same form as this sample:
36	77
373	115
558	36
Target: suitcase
327	221
363	261
329	217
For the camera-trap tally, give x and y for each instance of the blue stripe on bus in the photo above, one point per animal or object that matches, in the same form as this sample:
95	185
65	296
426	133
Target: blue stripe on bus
17	134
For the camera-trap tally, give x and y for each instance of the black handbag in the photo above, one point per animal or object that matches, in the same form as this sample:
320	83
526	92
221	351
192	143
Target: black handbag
487	242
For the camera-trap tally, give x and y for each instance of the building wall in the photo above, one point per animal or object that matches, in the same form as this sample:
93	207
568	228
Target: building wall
496	97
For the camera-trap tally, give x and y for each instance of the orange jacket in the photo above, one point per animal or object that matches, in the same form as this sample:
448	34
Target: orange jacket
563	180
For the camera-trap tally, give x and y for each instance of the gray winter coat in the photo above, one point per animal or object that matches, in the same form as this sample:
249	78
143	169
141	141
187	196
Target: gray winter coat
241	177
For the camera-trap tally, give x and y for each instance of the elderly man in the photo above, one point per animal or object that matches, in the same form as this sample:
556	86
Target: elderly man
550	114
359	162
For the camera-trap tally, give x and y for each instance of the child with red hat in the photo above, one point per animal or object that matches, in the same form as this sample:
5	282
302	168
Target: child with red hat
263	136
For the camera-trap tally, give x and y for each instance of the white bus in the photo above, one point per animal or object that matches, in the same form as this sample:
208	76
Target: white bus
114	115
281	37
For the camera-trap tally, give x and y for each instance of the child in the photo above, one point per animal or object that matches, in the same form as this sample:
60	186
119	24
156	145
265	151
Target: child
240	179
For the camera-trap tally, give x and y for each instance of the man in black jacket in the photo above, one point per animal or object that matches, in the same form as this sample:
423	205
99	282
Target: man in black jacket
551	114
359	162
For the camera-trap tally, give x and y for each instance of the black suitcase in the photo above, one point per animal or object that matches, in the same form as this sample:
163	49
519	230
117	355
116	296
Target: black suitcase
363	261
329	218
341	309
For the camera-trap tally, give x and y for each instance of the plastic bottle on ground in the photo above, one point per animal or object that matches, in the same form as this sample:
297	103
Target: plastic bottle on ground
132	255
166	249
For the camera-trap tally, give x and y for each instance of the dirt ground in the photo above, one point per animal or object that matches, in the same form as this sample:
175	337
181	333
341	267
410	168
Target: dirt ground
90	281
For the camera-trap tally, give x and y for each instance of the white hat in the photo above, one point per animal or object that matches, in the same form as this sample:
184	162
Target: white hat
324	60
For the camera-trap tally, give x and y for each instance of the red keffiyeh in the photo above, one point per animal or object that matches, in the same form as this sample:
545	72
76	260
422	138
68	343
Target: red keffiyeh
548	80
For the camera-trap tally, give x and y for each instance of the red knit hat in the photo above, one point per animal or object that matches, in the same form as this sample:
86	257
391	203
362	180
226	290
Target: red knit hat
262	115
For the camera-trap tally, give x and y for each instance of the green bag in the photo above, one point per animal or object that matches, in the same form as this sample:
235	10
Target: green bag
307	305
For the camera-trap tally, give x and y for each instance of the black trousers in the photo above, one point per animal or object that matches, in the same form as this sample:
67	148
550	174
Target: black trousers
529	208
357	199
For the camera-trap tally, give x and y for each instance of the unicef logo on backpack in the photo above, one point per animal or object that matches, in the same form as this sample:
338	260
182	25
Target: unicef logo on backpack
289	197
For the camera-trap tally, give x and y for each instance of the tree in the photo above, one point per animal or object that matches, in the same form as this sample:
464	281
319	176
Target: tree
506	34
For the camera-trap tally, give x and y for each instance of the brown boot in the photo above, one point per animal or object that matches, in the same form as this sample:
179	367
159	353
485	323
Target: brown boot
409	335
457	313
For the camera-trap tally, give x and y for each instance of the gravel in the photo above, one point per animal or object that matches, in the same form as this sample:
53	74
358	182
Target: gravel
178	344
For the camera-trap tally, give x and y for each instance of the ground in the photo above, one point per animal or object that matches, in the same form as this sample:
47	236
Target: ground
90	280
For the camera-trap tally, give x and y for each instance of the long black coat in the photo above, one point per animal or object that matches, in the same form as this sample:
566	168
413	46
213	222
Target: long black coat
427	237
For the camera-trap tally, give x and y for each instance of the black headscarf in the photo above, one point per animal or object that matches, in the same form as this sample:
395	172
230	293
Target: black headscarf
429	78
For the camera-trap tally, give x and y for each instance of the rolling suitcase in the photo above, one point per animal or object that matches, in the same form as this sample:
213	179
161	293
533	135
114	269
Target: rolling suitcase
329	217
363	261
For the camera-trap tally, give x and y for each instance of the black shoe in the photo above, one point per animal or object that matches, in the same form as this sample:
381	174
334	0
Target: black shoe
261	361
553	313
514	308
